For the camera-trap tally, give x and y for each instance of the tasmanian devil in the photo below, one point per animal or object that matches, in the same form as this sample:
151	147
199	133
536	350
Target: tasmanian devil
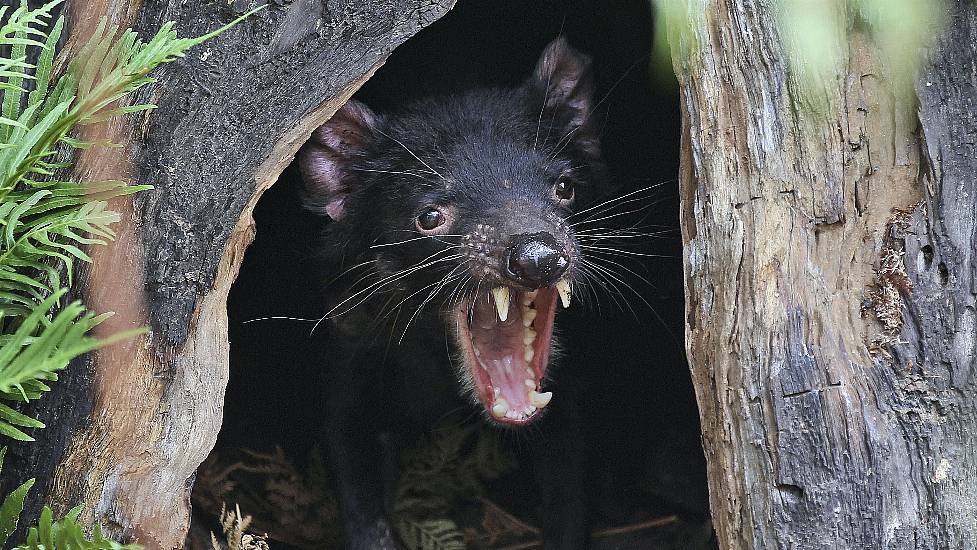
450	248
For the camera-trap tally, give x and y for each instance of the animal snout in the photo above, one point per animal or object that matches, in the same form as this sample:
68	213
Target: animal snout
536	260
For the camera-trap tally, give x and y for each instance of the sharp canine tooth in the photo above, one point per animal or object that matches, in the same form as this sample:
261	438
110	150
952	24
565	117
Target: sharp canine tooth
563	287
500	408
540	400
501	295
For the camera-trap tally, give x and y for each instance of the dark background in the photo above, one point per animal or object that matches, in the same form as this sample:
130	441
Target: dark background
644	409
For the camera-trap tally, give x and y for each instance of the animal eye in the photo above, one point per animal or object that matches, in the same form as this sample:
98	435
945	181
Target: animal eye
430	219
563	190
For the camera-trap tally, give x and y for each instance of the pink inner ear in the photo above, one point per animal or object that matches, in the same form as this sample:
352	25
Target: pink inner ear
565	74
334	208
325	159
323	174
355	117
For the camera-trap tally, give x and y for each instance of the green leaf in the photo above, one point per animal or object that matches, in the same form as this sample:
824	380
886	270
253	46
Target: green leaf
67	534
11	122
11	98
10	510
13	220
93	55
17	419
44	528
45	64
13	433
105	115
29	142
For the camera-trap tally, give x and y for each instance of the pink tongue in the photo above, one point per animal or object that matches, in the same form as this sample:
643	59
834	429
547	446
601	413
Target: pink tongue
508	375
501	353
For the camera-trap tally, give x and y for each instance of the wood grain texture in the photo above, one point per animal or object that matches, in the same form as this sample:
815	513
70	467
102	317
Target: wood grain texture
833	364
137	419
937	350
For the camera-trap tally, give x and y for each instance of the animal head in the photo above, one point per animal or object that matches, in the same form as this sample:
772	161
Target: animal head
461	206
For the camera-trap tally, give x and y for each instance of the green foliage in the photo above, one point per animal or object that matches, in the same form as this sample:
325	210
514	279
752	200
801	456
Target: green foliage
35	352
67	534
816	36
441	472
430	534
438	473
12	505
676	24
47	221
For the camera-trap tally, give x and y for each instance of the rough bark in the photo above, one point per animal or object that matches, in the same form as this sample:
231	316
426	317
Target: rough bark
131	423
830	280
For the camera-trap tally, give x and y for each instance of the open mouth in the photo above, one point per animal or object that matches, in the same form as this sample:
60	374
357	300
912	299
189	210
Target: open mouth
505	335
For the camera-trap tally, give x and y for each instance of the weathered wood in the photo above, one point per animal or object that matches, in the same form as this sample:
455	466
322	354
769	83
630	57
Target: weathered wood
835	376
231	115
937	351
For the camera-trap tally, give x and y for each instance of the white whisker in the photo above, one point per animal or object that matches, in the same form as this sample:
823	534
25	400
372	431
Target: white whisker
278	318
398	142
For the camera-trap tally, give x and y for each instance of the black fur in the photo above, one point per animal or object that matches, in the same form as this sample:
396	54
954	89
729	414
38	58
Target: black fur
488	160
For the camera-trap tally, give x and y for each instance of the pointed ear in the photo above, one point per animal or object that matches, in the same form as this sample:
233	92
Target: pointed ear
326	159
564	79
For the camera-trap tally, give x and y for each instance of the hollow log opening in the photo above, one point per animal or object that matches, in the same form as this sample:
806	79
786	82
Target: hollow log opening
644	426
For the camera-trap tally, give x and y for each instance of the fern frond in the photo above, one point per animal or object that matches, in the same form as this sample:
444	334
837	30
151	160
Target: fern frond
45	65
16	33
440	472
67	534
34	349
22	20
435	534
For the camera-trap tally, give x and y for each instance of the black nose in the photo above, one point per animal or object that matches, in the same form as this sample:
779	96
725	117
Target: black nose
536	260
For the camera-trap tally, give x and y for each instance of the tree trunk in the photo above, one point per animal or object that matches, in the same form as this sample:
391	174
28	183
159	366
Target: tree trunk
130	424
830	282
